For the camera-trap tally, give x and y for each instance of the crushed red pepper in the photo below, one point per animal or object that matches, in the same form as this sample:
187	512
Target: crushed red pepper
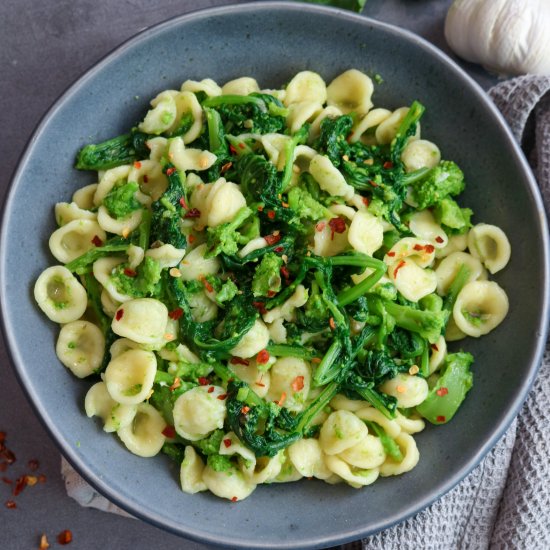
193	213
169	432
97	241
65	537
119	314
263	357
175	314
272	239
239	361
442	391
337	225
398	267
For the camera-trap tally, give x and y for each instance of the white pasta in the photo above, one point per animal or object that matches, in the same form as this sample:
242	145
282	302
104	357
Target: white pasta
411	280
422	252
240	86
84	197
315	127
490	244
143	436
224	201
410	425
129	376
366	454
480	307
306	86
290	377
189	159
191	470
258	380
59	295
198	411
98	402
108	304
424	226
408	390
254	341
307	457
74	239
326	242
207	85
370	121
120	345
251	246
354	477
286	310
80	347
202	308
195	265
152	181
302	112
341	430
437	354
410	453
233	484
118	226
166	255
274	146
351	92
341	402
420	153
449	267
329	177
103	270
391	427
67	212
110	178
143	320
387	129
456	243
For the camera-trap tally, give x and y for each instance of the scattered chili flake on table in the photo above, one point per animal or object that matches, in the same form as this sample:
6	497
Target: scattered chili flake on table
65	537
33	465
44	544
11	504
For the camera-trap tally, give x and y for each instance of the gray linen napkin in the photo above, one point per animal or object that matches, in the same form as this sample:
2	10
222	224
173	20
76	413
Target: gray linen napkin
505	501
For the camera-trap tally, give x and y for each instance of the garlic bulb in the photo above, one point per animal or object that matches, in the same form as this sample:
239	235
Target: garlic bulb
507	36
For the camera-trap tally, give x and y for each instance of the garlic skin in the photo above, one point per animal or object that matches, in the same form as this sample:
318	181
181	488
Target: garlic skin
509	37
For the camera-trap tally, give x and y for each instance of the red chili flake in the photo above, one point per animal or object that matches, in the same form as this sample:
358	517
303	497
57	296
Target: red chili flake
298	383
169	432
260	208
388	164
245	409
10	504
65	537
170	171
175	313
263	357
191	239
261	384
206	284
33	465
442	391
8	456
97	241
271	214
285	273
260	306
222	396
7	480
241	145
373	183
183	204
234	499
320	226
119	314
239	361
130	272
434	347
227	442
441	419
193	213
145	178
20	484
337	225
285	204
429	248
282	399
272	239
271	293
399	266
41	478
366	201
137	164
226	167
233	150
176	384
418	247
316	360
439	239
210	389
279	249
391	254
331	323
203	381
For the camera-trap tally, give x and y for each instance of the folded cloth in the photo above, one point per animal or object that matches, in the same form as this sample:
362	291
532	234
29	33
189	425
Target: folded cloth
505	501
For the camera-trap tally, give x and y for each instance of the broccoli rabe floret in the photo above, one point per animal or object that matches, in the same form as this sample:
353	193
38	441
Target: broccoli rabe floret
454	218
210	445
226	237
138	283
227	292
267	277
438	183
306	206
121	200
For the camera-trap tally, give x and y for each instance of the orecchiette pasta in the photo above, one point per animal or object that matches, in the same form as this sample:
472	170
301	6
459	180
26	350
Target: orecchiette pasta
143	436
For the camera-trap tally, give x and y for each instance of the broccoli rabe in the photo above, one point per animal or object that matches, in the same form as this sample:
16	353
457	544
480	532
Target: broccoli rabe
455	220
121	200
445	179
226	237
306	206
267	276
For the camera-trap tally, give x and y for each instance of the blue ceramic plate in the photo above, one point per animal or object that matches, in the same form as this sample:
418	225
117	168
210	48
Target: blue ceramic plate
272	42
